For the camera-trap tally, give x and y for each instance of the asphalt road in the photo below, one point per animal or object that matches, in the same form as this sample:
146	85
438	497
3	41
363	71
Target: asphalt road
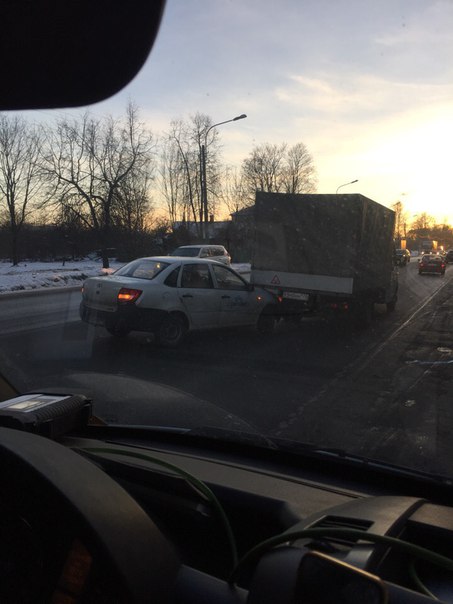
316	382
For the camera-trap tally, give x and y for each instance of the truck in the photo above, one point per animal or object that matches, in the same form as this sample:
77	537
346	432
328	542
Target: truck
324	253
428	246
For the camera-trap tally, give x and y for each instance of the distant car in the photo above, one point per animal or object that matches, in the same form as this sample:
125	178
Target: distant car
171	296
402	257
431	263
213	252
449	256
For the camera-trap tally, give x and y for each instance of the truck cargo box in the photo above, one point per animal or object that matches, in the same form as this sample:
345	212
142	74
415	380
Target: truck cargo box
332	244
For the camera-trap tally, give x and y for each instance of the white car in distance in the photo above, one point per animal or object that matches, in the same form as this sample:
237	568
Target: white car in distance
209	251
170	296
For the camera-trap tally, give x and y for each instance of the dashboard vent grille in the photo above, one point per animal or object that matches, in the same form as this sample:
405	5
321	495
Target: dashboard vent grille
343	522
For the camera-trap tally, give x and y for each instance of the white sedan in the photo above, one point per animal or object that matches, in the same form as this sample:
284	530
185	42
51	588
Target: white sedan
171	296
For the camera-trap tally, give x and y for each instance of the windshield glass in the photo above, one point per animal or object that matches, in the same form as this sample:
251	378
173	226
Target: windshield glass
309	139
187	252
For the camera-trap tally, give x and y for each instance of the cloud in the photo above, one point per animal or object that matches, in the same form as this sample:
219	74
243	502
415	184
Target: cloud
360	97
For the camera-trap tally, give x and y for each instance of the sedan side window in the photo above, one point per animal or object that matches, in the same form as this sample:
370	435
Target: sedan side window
226	279
172	279
196	276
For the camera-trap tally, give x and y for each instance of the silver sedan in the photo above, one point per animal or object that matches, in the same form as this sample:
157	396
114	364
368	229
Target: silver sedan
171	296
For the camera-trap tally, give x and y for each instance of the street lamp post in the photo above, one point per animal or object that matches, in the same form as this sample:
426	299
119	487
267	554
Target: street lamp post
346	184
203	182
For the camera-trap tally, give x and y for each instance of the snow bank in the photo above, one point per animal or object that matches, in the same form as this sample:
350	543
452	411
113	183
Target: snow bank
38	275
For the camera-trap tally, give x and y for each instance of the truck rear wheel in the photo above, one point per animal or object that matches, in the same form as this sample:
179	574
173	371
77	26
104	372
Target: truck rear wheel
266	322
363	314
391	305
294	319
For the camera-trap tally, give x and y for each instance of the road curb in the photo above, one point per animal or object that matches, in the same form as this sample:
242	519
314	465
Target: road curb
24	293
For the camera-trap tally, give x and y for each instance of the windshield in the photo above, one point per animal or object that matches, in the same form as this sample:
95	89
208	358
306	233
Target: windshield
188	252
307	139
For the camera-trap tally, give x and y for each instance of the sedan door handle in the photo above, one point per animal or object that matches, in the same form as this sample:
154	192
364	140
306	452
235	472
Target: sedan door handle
187	296
225	297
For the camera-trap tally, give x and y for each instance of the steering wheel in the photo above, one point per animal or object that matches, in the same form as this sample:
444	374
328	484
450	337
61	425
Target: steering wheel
67	530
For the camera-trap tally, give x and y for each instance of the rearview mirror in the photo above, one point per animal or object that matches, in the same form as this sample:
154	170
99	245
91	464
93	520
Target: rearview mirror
74	52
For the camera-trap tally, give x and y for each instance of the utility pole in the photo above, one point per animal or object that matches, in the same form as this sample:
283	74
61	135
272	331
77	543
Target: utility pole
204	187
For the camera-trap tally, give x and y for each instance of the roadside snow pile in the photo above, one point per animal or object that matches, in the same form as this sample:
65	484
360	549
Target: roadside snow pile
38	275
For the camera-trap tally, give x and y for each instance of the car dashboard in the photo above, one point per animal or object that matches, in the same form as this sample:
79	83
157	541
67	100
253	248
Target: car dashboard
118	515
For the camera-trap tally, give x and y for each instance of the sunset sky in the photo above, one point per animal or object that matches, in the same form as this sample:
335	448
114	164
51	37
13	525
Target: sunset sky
367	86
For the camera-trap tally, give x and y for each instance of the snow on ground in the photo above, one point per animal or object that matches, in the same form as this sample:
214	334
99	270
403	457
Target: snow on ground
38	275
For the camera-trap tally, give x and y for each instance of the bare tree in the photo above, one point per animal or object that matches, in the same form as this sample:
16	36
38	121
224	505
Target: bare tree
20	183
180	174
132	205
171	179
204	134
89	160
122	157
263	167
234	194
70	169
299	173
423	222
277	168
401	218
181	168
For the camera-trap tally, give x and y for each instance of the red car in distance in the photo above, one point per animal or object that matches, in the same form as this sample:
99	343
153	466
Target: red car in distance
432	263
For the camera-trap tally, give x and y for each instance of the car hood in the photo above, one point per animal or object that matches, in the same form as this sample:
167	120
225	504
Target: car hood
126	400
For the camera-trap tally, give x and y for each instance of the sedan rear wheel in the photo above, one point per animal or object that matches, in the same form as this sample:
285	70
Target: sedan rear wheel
171	332
119	330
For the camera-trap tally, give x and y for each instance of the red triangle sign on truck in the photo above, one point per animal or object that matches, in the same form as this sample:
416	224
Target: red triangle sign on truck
275	280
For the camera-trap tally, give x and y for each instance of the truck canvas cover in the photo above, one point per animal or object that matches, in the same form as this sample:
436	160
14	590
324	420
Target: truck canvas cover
334	244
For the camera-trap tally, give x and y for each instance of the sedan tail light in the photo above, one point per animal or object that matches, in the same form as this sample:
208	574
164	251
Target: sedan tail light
126	295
